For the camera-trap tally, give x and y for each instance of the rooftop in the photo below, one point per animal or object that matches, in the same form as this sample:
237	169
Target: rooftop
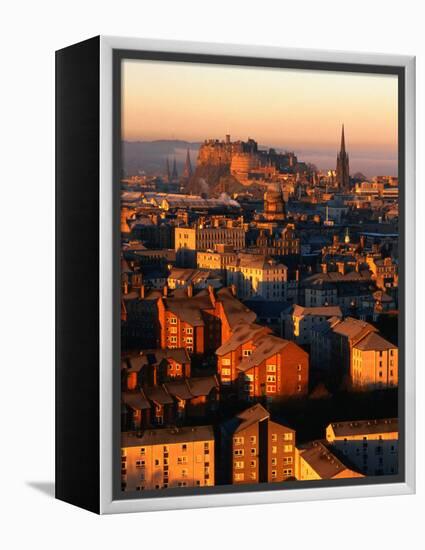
374	342
163	436
250	416
365	427
351	327
326	311
325	463
244	332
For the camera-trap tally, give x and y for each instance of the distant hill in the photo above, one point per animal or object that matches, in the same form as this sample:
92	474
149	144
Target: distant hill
150	156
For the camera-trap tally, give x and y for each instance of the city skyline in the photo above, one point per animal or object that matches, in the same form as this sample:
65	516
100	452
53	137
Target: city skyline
287	109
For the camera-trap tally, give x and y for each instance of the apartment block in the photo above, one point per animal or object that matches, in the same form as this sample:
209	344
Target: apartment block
370	445
374	363
262	450
167	458
316	461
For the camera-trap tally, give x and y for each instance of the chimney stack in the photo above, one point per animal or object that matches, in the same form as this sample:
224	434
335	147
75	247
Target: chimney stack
324	268
211	294
297	275
190	290
233	290
165	291
125	287
142	292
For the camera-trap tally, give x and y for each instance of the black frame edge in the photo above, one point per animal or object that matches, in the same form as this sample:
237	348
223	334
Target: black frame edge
77	95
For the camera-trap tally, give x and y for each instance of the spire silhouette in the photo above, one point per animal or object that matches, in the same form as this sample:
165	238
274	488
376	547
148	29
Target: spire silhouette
174	174
342	140
167	169
187	172
342	166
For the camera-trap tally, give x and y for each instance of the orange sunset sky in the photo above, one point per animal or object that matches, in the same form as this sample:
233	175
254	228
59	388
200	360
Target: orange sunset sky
291	109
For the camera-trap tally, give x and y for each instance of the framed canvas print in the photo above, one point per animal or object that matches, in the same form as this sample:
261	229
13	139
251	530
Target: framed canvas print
234	273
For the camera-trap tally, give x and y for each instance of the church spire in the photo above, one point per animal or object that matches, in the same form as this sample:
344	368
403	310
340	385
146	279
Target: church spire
342	166
187	172
174	175
167	169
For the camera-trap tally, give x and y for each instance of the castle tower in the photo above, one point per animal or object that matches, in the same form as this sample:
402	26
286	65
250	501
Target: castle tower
174	174
342	167
187	172
274	204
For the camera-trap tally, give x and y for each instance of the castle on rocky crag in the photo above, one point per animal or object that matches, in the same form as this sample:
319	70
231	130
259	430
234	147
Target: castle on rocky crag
245	161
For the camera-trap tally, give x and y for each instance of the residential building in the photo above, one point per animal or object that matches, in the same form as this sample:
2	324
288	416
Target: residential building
301	322
167	458
189	240
260	364
258	275
261	450
370	445
217	259
384	271
374	363
183	277
316	461
276	241
201	321
169	403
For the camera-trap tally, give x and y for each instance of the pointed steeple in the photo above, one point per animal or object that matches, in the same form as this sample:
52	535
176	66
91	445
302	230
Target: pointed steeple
342	140
342	166
174	174
167	168
187	172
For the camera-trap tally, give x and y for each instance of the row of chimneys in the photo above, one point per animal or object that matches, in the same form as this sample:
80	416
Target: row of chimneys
189	290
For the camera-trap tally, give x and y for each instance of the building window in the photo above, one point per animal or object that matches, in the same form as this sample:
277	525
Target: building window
238	440
287	472
143	451
239	465
226	372
253	439
287	460
184	472
274	461
274	474
140	463
253	451
253	475
182	460
173	320
253	463
274	437
239	477
274	449
225	362
184	447
238	452
287	448
247	352
271	368
271	378
287	436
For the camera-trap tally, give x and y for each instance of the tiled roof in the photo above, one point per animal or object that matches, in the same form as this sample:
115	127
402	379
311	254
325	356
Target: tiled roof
162	436
374	342
250	416
365	427
244	332
325	463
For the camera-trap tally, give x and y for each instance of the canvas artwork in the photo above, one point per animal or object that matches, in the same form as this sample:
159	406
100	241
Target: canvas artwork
259	277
